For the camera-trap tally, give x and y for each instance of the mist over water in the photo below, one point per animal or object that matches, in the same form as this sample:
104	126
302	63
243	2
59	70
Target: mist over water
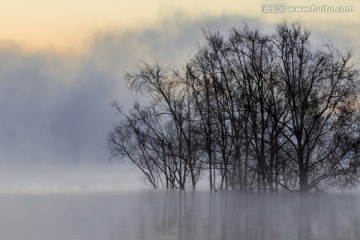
56	114
70	179
179	215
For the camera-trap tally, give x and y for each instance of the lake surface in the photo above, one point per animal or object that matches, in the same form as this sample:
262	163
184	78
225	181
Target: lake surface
179	215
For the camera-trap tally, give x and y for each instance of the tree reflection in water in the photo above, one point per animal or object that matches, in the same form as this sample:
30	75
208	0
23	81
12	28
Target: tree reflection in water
228	215
180	215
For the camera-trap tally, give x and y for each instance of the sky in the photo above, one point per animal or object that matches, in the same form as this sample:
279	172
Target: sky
62	63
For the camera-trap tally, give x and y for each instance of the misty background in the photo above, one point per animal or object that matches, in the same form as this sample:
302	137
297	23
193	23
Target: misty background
56	106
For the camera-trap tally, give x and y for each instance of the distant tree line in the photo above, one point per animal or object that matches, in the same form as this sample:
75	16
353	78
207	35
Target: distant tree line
249	112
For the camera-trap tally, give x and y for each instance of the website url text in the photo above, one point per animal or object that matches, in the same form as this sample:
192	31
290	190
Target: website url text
282	8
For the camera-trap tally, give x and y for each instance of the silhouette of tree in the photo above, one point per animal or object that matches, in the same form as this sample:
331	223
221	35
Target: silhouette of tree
251	111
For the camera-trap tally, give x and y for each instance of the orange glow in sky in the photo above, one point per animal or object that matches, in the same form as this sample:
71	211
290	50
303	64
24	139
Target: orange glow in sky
68	24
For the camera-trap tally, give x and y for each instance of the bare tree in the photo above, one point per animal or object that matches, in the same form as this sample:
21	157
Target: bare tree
320	88
254	111
173	100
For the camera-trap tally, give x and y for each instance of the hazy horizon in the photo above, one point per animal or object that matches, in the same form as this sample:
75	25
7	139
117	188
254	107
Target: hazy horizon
62	64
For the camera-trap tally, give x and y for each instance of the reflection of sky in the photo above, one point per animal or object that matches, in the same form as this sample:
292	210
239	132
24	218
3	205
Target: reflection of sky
62	63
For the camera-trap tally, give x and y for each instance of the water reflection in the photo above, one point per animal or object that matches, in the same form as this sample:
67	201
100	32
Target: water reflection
181	216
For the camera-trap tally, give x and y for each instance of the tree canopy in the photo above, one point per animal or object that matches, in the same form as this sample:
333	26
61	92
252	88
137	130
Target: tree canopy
250	112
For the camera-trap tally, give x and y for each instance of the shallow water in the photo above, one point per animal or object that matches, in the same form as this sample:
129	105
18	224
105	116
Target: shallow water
179	215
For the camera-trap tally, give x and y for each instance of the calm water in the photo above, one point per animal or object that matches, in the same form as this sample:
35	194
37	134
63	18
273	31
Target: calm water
174	215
